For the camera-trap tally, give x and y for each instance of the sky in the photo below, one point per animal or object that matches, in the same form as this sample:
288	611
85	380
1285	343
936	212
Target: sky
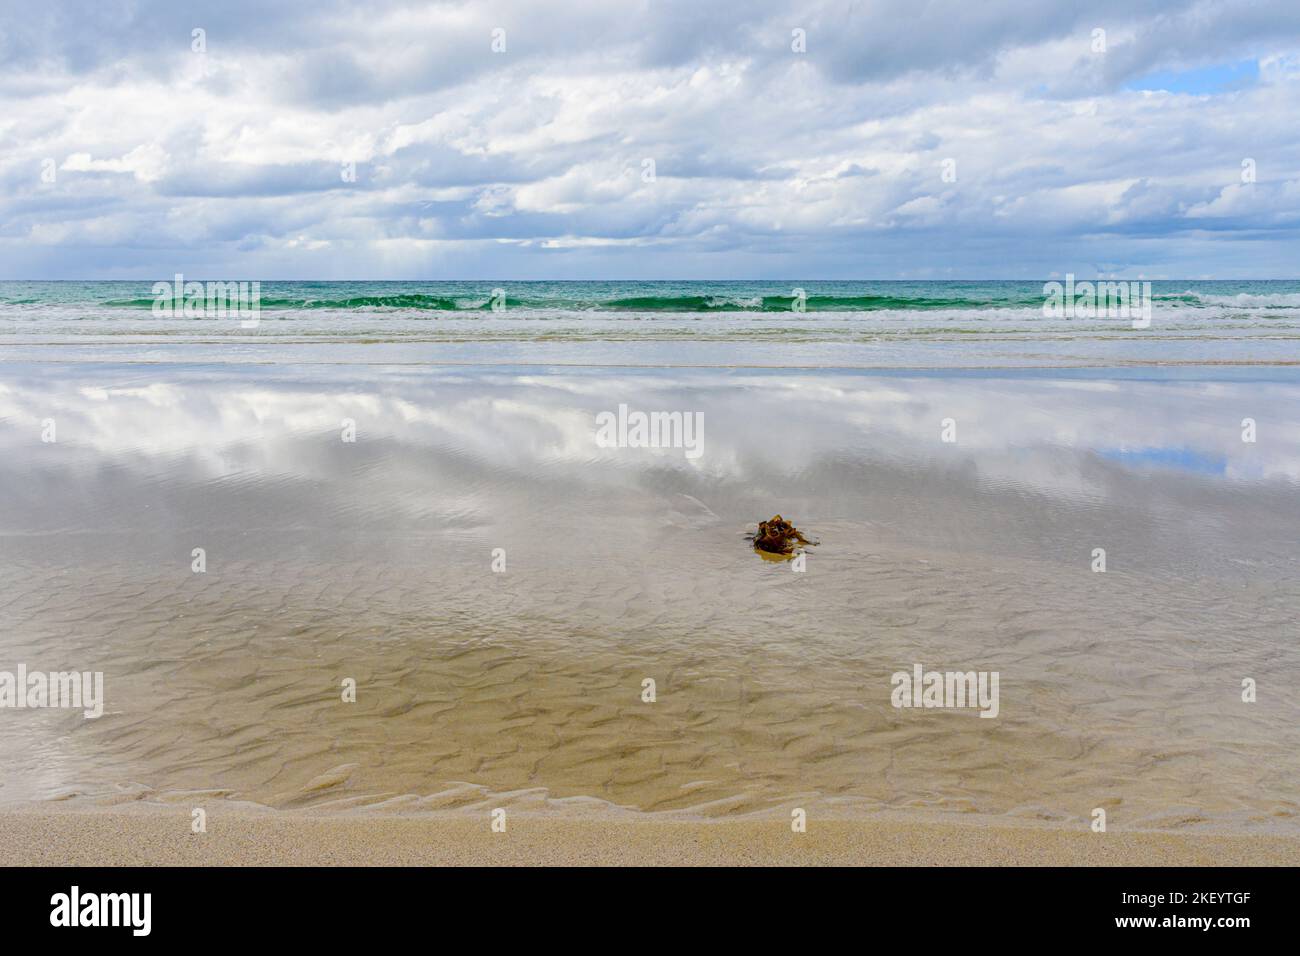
601	139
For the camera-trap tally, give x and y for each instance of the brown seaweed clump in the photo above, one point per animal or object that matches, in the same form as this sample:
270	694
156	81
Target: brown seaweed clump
778	536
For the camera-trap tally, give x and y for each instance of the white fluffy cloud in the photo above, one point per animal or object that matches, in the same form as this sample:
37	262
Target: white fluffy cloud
321	139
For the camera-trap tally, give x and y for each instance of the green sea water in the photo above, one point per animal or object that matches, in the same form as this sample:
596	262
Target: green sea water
642	297
788	322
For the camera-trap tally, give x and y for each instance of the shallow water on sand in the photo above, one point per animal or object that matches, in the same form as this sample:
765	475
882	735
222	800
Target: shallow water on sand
372	560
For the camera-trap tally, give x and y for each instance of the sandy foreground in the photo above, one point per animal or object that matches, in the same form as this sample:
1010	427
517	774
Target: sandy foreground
133	838
350	657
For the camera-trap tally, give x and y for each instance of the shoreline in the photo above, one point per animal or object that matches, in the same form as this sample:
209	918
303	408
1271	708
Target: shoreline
913	356
1115	366
162	837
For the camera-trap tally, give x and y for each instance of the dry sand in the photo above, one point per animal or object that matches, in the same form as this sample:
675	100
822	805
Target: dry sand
137	837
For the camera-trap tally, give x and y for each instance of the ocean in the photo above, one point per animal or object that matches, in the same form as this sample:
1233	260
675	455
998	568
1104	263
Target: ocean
842	324
1226	299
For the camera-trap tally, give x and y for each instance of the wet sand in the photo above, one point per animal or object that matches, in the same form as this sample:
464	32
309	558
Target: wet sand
372	561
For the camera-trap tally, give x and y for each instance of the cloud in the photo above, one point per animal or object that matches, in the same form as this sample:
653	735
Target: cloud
317	139
146	162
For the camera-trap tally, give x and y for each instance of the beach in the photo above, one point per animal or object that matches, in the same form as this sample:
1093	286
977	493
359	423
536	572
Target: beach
351	593
161	838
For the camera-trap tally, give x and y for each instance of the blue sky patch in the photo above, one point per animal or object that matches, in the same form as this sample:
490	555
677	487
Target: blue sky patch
1219	78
